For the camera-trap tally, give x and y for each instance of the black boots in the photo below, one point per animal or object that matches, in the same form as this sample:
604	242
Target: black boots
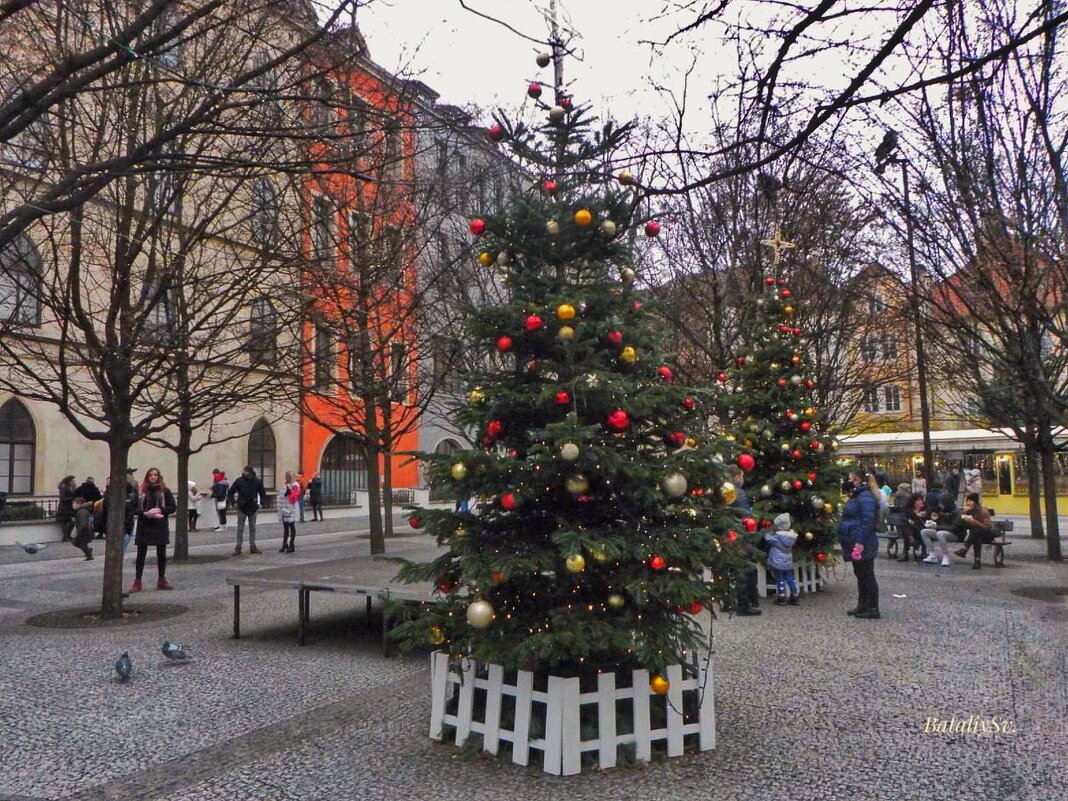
868	614
977	564
748	611
285	546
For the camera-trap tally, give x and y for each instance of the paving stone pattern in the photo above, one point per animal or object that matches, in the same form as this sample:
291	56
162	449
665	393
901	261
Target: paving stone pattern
810	703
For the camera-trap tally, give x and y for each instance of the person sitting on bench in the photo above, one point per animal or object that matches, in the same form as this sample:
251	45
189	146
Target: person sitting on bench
975	522
915	517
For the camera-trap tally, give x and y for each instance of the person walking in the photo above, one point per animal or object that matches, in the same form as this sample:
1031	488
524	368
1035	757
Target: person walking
300	480
747	590
288	500
155	503
193	510
220	488
65	507
248	494
83	527
315	496
860	545
781	560
919	481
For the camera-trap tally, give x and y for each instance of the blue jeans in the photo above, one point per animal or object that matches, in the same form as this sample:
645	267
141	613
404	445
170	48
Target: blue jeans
784	579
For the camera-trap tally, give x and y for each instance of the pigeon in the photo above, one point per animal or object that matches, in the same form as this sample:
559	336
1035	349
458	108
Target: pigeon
886	148
31	547
124	666
173	650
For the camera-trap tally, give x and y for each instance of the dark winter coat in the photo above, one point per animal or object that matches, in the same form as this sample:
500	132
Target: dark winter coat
858	524
89	491
83	523
219	490
315	490
129	512
65	507
154	531
247	493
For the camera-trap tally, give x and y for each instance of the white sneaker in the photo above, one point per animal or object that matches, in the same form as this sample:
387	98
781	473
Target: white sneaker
931	559
945	561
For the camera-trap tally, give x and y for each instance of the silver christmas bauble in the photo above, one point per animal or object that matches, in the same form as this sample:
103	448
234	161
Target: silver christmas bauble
817	502
608	228
765	491
543	59
674	485
480	614
556	113
569	451
795	380
785	486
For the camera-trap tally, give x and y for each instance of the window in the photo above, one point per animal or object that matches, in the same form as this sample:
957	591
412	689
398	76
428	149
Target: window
322	106
262	332
446	353
323	230
480	195
399	382
889	347
462	194
324	357
442	148
876	305
869	348
20	283
442	242
30	146
389	254
163	183
261	452
870	401
360	123
168	54
18	442
264	220
892	398
159	310
359	238
394	149
266	81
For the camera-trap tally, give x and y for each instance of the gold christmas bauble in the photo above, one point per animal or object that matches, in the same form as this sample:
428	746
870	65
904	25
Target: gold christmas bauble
458	471
576	563
809	536
556	113
616	601
785	446
479	614
608	228
583	217
566	333
729	492
691	442
578	484
552	227
625	177
598	555
785	486
628	275
436	636
476	396
787	310
543	59
659	685
628	355
775	365
569	451
827	508
809	412
674	485
460	532
485	258
565	311
730	438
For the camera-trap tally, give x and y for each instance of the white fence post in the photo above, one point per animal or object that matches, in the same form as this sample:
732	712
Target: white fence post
439	692
492	734
643	748
606	719
674	710
524	687
706	698
467	697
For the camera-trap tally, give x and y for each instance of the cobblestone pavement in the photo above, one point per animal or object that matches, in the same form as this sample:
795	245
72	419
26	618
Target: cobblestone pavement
810	704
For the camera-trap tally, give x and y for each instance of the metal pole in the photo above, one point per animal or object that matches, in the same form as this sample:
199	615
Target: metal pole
921	359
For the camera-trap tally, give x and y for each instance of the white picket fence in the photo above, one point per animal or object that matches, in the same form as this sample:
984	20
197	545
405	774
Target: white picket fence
562	745
808	575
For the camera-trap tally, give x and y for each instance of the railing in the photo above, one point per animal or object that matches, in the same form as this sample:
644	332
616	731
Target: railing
30	507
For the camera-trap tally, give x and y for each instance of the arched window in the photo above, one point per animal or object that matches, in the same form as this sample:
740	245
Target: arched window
446	446
261	452
17	446
20	283
344	469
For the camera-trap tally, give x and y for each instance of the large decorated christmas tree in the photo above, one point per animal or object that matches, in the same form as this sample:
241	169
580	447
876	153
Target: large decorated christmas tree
601	525
767	409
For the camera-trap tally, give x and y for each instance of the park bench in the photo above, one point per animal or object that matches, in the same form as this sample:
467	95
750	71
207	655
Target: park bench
895	532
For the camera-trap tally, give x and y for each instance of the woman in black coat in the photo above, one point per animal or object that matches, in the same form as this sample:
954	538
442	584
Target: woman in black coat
155	504
65	507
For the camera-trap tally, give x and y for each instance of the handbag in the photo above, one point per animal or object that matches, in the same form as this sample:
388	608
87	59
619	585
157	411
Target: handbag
220	505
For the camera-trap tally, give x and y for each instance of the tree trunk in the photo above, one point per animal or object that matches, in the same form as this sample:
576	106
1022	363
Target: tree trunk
387	470
1034	491
111	599
1049	477
181	497
374	500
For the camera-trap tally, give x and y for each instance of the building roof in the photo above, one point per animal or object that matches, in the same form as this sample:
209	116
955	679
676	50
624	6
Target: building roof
961	439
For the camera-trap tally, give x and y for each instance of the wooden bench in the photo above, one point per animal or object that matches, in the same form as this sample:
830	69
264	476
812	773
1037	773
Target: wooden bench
893	534
999	543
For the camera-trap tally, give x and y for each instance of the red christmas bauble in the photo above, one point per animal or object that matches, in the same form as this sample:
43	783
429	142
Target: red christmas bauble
746	462
562	398
494	428
695	607
665	374
637	305
749	524
614	338
415	522
657	562
618	420
508	501
722	378
447	585
796	332
676	438
496	576
805	425
784	329
786	293
565	103
495	133
770	280
478	226
549	186
533	322
652	228
740	361
732	535
504	343
810	384
534	90
797	484
782	282
820	557
815	444
688	403
795	454
811	476
781	382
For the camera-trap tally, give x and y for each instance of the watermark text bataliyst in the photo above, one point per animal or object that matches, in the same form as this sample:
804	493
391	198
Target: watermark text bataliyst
973	724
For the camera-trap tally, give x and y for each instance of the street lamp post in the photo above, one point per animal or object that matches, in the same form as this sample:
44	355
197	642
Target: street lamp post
886	154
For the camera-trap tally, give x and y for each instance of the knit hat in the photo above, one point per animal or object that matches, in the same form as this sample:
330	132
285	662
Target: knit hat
782	522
